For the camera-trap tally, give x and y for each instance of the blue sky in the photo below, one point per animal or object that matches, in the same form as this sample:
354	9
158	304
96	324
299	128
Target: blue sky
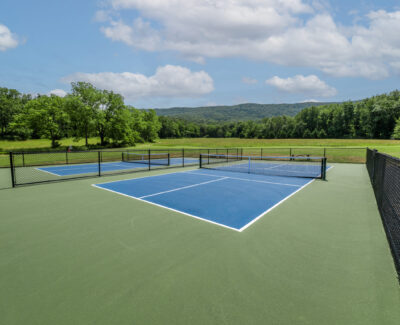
165	53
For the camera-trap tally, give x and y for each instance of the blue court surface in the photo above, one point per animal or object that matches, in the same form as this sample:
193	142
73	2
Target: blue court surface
229	199
79	169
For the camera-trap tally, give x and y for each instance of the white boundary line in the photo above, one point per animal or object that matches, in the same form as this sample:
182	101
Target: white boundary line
69	167
274	206
184	187
200	218
165	207
42	170
244	179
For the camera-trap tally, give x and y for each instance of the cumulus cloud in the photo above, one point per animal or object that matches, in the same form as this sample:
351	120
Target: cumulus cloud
306	85
286	32
58	92
8	40
168	81
249	81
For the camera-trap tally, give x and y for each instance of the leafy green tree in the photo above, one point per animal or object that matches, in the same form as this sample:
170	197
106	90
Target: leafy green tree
11	103
307	134
396	131
45	115
322	134
108	115
84	115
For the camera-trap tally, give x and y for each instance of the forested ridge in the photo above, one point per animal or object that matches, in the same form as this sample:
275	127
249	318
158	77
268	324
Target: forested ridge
90	112
241	112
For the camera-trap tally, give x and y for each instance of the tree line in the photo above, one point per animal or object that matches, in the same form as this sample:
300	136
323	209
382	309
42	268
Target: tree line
377	117
85	112
91	112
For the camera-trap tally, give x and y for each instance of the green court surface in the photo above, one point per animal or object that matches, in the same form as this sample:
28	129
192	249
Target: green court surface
73	254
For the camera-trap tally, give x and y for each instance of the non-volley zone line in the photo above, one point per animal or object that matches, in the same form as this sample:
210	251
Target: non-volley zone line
230	200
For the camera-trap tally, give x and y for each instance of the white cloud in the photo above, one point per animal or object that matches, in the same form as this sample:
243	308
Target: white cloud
102	16
286	32
249	81
8	40
307	85
168	81
58	92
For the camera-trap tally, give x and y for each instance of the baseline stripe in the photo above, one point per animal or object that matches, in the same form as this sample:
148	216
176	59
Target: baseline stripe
245	179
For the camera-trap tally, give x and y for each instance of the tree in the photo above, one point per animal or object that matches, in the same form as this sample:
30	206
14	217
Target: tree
396	131
84	114
107	115
307	134
46	117
11	103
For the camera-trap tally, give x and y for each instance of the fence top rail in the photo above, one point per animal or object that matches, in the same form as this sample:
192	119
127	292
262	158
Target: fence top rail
179	149
389	157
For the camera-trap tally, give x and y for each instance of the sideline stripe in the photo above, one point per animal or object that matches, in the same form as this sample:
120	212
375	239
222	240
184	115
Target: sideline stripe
168	208
273	207
183	188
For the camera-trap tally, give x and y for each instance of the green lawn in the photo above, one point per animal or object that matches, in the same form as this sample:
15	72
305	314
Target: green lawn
74	254
6	145
337	150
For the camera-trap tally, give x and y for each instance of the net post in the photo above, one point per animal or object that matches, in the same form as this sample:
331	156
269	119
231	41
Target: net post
169	159
99	161
149	154
323	169
12	169
183	157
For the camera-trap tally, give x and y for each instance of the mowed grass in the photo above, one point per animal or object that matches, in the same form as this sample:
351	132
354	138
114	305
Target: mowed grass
6	145
237	142
337	150
74	254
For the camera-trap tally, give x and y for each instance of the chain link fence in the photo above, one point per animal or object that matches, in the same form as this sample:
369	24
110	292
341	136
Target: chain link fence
384	172
40	167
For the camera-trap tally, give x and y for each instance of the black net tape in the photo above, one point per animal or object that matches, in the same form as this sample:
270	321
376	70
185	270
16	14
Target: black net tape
384	171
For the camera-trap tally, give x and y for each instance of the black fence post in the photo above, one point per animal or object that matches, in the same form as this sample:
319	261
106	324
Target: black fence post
374	152
23	159
99	161
12	169
183	157
66	156
323	169
324	152
149	153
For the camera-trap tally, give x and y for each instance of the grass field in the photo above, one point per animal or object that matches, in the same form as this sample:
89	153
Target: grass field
215	143
74	254
338	150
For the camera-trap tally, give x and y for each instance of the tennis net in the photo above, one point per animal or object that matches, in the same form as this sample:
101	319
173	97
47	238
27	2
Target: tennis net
148	159
304	166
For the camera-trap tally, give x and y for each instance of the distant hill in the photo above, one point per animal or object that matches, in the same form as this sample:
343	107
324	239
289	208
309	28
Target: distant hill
242	112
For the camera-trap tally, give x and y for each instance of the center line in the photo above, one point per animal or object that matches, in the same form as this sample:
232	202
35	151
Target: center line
185	187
